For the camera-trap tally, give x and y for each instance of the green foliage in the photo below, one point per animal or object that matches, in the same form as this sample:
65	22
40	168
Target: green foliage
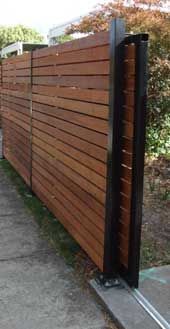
63	38
158	137
158	117
16	33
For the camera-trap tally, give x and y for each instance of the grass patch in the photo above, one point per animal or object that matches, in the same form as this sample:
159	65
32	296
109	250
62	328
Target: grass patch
50	227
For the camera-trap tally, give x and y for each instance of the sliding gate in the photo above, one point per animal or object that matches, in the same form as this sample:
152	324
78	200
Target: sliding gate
73	118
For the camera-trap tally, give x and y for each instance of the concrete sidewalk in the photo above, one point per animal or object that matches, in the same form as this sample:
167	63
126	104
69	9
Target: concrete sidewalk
37	289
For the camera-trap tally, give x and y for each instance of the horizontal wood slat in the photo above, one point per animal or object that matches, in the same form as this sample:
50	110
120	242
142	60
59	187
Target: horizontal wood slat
88	95
96	40
83	133
66	220
80	56
16	59
95	82
14	73
94	68
96	110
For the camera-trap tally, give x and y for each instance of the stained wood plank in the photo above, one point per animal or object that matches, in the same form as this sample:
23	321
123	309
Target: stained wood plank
98	39
95	82
94	68
16	59
97	193
87	173
78	119
85	134
71	202
16	100
80	56
42	193
83	158
49	164
88	95
97	110
91	149
68	209
73	192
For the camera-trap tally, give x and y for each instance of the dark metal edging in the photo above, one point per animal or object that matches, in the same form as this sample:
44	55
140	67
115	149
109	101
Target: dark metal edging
31	77
138	158
117	36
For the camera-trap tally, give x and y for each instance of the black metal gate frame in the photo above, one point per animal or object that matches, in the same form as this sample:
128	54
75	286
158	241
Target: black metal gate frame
118	40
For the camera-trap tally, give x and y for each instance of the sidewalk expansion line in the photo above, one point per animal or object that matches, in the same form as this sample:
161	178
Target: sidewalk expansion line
147	306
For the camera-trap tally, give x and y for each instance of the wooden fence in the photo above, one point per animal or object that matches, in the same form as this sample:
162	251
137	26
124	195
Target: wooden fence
69	128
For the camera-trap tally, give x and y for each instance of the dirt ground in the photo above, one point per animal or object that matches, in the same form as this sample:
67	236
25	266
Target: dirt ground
155	250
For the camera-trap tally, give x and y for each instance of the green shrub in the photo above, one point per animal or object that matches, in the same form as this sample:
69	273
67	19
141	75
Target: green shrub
158	138
158	112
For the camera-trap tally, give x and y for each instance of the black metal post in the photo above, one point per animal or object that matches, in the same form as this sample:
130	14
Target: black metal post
141	42
117	35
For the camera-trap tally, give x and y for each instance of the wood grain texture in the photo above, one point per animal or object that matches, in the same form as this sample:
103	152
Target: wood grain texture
80	56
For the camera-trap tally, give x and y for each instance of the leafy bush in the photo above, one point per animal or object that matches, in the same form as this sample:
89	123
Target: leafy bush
158	118
11	34
158	138
63	38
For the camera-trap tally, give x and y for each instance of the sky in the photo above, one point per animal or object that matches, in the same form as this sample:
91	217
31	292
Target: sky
43	15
